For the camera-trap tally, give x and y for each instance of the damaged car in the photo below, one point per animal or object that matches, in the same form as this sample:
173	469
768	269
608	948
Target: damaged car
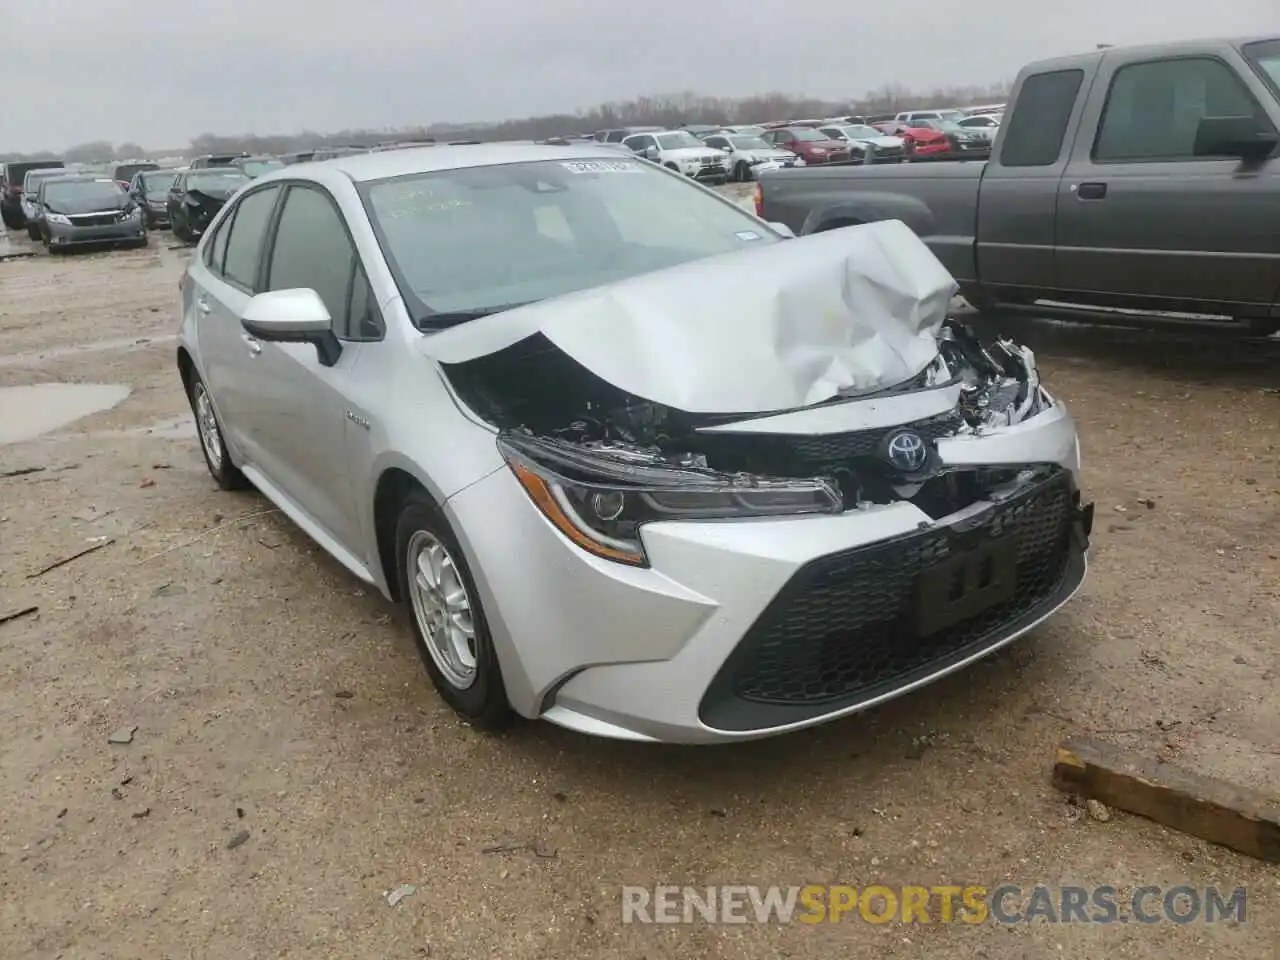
637	462
196	196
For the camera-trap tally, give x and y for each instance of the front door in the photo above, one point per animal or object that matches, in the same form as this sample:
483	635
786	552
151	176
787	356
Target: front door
1139	215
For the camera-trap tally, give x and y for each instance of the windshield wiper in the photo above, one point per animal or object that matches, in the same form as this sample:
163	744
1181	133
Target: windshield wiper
451	318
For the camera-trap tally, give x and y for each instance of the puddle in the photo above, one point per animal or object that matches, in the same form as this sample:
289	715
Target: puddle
30	412
76	349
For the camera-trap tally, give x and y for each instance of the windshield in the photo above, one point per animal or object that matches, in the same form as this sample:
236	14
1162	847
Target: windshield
807	133
860	132
108	191
750	143
159	182
1265	57
228	178
34	177
478	239
675	141
256	168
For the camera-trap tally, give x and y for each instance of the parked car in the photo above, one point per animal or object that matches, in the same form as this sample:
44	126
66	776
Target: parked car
984	109
749	156
197	195
123	172
298	156
329	153
618	134
962	144
601	351
85	210
746	129
30	190
12	176
1108	188
808	144
867	144
701	130
216	160
985	125
911	117
253	167
682	152
922	142
150	191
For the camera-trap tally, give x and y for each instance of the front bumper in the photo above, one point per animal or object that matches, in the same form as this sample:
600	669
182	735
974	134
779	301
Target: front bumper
741	630
63	236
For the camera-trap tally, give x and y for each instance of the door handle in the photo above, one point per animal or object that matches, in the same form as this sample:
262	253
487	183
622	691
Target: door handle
254	346
1091	191
203	305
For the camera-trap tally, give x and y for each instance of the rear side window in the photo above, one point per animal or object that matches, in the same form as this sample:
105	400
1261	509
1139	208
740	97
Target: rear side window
246	232
1036	128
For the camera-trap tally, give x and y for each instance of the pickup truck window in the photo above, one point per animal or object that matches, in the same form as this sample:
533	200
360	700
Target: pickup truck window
1035	130
1153	109
1265	58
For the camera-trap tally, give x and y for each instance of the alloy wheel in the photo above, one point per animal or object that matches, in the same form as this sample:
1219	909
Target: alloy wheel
442	608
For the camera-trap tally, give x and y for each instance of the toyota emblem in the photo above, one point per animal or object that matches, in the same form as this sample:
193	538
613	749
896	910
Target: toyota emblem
906	450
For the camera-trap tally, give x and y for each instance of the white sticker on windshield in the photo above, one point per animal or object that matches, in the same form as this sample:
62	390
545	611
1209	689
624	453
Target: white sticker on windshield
747	235
601	166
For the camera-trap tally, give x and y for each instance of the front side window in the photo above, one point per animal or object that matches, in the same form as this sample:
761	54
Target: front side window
483	238
1037	128
246	229
678	141
312	250
1154	109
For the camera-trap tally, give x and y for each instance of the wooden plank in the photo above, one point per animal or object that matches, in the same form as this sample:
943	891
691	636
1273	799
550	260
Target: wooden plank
1224	813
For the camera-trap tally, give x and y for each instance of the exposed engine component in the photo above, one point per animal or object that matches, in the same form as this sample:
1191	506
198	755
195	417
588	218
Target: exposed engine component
536	393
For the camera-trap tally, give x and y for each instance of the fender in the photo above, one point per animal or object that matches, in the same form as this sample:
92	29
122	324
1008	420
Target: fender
870	207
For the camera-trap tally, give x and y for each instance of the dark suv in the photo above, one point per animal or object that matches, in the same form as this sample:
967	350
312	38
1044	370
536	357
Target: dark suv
11	177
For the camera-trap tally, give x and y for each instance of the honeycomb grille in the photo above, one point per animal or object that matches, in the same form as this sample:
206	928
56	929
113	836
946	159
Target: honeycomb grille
844	626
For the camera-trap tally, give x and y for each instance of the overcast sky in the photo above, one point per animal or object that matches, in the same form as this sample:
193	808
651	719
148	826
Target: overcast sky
159	73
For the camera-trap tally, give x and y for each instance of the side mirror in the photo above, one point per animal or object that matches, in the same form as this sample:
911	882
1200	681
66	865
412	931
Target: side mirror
783	229
1241	137
651	153
293	316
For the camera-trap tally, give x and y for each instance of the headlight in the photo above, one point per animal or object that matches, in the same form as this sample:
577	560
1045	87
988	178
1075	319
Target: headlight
600	498
58	218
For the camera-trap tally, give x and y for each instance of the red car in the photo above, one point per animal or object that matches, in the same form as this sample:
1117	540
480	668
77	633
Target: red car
921	141
808	144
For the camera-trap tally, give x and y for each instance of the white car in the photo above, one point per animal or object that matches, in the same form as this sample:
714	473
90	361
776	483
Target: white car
749	156
986	125
867	144
681	151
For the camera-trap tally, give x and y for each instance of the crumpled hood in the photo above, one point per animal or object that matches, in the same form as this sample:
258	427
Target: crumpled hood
764	329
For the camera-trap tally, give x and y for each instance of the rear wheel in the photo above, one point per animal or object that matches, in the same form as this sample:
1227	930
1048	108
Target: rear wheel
449	625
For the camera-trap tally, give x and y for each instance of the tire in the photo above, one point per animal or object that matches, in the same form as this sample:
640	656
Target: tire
672	166
742	173
33	232
13	219
179	227
469	681
212	445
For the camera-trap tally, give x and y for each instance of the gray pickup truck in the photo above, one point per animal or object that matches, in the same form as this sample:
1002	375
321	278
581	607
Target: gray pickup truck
1140	178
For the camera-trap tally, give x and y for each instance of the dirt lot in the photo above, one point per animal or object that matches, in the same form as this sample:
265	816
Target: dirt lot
278	704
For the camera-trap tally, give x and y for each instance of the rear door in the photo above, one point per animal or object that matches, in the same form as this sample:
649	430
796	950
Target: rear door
303	416
1141	219
224	278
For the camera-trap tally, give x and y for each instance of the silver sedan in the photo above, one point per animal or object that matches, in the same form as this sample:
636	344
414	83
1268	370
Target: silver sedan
639	463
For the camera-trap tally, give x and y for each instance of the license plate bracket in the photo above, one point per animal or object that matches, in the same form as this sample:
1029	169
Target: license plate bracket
965	584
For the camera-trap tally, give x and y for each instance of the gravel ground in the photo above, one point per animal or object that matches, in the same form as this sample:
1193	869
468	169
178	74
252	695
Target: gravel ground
291	763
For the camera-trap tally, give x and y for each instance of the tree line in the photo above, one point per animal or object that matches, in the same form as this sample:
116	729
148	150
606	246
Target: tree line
668	110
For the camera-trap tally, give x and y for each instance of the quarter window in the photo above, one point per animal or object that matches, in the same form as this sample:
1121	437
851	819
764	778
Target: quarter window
1035	131
246	229
1154	109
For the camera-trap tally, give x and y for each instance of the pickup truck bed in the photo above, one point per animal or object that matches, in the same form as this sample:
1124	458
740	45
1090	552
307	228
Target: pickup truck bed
1110	185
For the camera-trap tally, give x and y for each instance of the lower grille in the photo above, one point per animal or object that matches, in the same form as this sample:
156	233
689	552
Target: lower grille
850	627
95	219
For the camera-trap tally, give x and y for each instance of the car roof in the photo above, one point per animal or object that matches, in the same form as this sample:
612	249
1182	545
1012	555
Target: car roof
363	167
1153	50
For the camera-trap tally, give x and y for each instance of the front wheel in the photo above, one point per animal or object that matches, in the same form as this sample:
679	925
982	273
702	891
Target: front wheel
178	225
449	625
742	173
212	444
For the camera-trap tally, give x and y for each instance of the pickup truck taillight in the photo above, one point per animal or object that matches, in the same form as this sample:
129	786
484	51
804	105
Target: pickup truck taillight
759	200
